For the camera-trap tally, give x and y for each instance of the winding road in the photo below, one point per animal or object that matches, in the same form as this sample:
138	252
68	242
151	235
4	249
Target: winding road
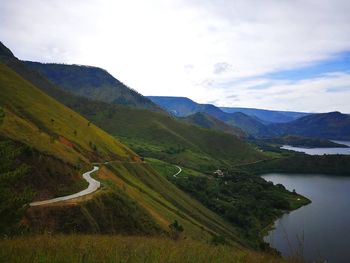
93	186
180	170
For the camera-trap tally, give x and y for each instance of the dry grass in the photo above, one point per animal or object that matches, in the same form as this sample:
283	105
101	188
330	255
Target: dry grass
88	248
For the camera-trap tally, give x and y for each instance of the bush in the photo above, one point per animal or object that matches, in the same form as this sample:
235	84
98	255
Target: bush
175	230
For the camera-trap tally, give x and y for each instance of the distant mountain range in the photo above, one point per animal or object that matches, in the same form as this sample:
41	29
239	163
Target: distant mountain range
265	123
184	107
332	125
268	116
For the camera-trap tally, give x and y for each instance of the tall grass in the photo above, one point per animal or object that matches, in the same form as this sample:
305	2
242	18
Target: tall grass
88	248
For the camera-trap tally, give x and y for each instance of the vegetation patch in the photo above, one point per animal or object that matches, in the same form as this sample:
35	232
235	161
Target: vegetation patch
13	197
2	115
107	213
245	200
302	163
116	249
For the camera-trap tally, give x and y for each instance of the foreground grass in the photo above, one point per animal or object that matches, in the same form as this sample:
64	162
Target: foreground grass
90	248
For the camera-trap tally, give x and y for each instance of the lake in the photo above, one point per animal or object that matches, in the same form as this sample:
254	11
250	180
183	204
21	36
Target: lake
320	230
320	151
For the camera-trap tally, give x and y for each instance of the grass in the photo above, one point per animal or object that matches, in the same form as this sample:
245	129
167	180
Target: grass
2	115
150	133
37	120
120	249
165	202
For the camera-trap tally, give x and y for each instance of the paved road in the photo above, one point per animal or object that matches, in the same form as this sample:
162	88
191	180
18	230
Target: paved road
180	170
93	186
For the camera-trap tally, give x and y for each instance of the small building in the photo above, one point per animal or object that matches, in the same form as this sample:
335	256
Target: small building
219	173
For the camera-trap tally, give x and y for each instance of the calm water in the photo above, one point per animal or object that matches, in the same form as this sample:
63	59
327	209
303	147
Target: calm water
321	228
321	151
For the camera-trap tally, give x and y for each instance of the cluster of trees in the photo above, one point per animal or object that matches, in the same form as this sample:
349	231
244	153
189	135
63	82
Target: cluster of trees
301	163
247	201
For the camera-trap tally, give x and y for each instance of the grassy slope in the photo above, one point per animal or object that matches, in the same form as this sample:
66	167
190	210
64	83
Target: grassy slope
150	133
75	248
165	202
28	119
161	136
36	119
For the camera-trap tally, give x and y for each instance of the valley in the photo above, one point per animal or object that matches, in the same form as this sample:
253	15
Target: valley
89	160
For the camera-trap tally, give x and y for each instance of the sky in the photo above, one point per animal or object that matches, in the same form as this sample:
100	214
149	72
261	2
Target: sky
271	54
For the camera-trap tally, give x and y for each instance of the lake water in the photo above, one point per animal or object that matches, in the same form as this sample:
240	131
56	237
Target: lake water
321	151
320	230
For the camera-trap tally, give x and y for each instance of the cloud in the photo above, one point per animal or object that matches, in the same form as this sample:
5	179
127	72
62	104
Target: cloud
338	89
221	67
329	92
184	47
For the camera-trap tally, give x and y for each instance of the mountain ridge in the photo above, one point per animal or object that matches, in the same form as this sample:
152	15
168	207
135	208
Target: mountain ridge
183	107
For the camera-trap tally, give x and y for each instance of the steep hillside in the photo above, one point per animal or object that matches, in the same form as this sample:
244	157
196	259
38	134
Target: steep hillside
164	137
183	107
32	118
45	146
206	121
150	133
92	82
267	116
332	125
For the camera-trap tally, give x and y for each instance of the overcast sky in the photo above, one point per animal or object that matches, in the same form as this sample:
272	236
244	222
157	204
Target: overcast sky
272	54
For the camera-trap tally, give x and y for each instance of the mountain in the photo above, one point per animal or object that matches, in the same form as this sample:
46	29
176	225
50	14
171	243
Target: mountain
267	116
67	143
45	146
183	107
332	125
151	133
206	121
92	82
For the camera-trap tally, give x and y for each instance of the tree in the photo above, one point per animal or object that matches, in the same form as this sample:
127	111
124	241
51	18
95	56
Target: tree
175	230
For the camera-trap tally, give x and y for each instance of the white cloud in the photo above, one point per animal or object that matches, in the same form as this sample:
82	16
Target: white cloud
171	47
329	92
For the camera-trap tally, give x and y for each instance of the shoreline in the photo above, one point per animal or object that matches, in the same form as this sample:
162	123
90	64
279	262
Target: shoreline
265	231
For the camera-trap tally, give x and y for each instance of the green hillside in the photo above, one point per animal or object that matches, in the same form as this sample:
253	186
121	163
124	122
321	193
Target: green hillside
97	248
150	133
161	136
45	146
206	121
92	82
34	118
56	134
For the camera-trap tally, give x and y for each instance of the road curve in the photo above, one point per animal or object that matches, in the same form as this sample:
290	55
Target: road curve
93	186
180	170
